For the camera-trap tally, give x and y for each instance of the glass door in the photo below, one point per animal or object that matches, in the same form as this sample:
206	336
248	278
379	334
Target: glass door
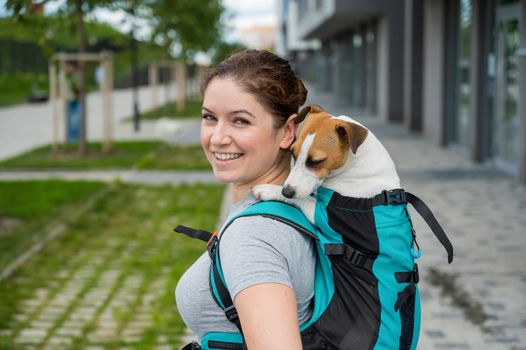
463	74
505	148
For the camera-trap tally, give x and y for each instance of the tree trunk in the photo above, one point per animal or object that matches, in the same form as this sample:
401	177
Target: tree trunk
81	33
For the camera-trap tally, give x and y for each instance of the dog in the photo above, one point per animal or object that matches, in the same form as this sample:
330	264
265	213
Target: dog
339	153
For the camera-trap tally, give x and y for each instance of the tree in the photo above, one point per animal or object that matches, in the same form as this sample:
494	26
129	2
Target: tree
183	27
71	9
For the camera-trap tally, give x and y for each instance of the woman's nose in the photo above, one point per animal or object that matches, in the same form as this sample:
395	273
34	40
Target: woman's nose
220	134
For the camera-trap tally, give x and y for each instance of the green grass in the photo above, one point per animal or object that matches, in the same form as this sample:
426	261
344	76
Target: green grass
31	204
169	110
136	154
15	88
128	229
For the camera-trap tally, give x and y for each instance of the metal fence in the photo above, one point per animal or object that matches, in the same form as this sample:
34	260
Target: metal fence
16	56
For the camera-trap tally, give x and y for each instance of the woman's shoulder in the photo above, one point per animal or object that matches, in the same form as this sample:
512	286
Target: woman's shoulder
263	228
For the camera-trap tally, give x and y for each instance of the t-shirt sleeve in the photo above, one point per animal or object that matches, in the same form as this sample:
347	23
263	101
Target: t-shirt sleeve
254	250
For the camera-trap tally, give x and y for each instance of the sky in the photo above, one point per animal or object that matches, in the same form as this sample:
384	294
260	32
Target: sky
249	13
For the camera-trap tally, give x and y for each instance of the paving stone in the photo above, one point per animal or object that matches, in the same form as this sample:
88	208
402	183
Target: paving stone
58	340
101	335
31	336
42	324
164	347
69	331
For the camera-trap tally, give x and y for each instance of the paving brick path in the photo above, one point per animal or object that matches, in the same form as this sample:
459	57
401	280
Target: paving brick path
93	295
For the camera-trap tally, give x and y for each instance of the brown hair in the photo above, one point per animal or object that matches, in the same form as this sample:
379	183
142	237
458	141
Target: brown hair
268	77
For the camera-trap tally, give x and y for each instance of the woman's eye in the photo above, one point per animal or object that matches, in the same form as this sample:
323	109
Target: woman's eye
208	117
241	121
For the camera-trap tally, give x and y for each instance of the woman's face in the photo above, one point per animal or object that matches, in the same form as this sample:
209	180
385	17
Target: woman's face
238	136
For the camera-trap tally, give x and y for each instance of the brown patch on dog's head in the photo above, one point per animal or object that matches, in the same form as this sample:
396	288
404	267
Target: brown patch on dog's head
332	142
309	109
351	133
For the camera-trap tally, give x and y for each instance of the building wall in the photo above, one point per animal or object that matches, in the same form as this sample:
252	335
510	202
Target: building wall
437	69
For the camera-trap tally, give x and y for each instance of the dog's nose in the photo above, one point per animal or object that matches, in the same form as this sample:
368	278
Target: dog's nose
288	191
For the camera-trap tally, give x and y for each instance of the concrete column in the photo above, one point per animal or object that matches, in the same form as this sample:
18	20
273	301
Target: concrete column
433	123
479	86
395	61
381	85
413	69
522	89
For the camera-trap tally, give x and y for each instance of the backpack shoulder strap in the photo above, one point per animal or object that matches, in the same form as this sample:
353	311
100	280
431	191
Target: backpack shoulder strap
275	210
279	211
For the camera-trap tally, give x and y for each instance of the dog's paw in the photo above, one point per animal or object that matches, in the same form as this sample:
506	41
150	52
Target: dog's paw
267	192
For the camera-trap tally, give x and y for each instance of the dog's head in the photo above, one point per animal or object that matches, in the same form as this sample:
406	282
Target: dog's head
322	147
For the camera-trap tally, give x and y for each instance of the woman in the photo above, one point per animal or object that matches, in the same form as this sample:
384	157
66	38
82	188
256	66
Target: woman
250	102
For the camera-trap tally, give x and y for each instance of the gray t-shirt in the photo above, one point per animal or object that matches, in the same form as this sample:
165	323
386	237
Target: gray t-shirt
253	250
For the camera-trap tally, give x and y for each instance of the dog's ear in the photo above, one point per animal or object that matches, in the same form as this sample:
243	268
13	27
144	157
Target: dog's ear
306	110
351	134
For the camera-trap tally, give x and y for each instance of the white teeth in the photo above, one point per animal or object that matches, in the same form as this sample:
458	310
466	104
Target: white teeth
227	156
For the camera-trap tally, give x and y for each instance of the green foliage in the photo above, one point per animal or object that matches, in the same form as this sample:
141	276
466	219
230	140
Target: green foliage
181	26
186	26
224	49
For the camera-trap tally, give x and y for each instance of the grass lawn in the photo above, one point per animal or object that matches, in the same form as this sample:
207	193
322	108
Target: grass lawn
133	154
169	110
15	88
118	264
27	206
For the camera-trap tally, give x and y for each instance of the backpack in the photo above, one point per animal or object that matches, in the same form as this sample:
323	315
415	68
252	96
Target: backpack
365	294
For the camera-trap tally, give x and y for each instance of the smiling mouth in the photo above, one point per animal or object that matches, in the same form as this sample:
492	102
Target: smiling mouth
226	156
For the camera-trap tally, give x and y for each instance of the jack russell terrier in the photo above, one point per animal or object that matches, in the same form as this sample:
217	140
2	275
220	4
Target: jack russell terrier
340	153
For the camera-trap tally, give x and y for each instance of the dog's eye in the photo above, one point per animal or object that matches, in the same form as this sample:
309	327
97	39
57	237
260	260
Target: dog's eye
312	163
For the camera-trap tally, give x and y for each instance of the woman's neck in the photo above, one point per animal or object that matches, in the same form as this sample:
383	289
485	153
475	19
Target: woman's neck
276	175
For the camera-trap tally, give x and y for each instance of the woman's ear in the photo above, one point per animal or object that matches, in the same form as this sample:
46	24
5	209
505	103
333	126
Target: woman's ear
289	131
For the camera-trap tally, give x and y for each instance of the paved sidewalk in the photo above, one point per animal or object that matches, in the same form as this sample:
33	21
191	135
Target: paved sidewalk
483	213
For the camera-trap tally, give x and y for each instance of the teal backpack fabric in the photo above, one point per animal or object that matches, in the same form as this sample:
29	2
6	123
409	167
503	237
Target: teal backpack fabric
366	294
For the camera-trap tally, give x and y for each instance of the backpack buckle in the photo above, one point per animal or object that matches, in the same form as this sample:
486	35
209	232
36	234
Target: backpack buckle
357	258
231	314
212	245
394	196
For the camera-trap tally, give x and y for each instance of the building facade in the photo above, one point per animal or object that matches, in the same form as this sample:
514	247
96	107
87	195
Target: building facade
453	70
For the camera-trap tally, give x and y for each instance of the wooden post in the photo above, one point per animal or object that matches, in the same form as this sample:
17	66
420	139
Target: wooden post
62	87
104	97
53	101
153	77
180	76
200	77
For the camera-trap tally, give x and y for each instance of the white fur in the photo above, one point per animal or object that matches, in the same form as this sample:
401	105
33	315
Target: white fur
302	179
365	174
